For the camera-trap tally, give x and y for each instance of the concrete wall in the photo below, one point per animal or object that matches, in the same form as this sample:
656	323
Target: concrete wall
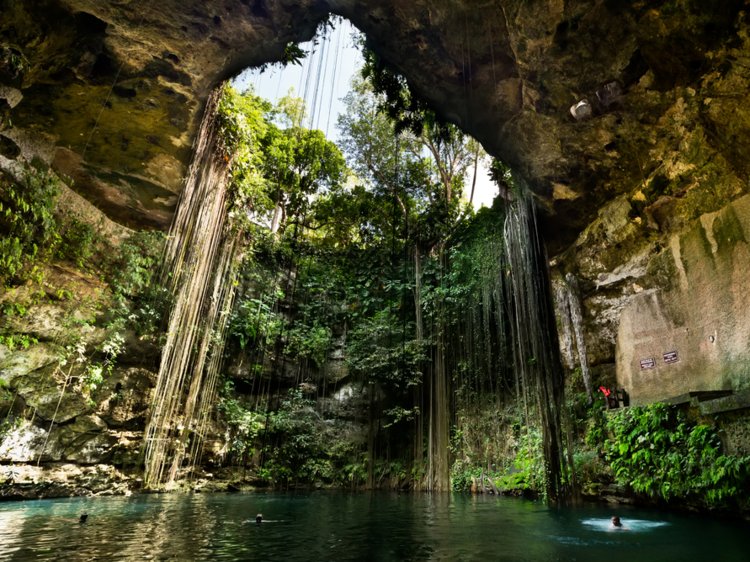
698	307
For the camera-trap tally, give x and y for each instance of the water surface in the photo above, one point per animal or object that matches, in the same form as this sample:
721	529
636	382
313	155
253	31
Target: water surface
361	527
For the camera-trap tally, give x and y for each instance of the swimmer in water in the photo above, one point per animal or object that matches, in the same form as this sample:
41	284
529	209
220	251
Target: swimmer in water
259	519
83	517
616	523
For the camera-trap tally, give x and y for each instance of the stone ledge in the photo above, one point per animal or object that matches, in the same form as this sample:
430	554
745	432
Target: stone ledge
738	401
696	396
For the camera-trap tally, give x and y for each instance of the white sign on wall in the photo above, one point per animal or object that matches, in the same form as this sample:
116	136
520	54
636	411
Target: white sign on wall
648	363
671	357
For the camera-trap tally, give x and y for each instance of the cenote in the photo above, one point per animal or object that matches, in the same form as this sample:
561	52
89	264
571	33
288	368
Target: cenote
339	526
402	261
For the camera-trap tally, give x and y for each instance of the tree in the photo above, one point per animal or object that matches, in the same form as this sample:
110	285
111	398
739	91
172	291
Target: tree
421	169
298	164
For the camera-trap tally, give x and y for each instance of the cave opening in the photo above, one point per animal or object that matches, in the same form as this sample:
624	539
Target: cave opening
385	213
341	315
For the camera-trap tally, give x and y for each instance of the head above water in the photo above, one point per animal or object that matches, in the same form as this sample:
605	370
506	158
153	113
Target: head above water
258	519
83	517
616	521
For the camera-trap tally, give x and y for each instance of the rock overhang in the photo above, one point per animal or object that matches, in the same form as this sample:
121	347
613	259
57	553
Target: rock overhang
117	87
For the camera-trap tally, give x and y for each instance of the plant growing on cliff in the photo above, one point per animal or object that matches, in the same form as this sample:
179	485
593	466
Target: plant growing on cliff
139	302
17	341
33	230
657	452
309	343
241	119
28	229
244	426
77	241
254	321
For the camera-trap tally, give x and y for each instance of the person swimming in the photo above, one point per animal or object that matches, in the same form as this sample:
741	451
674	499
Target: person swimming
616	523
83	518
259	519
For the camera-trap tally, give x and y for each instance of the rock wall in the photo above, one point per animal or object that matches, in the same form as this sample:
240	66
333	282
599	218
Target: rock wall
48	412
63	432
666	316
642	297
691	331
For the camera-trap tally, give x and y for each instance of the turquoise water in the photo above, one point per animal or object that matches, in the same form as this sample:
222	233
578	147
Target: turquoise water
362	527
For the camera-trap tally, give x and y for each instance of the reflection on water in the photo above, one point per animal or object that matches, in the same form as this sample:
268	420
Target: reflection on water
637	525
338	526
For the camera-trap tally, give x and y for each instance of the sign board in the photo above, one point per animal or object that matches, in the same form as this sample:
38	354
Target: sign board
649	363
671	357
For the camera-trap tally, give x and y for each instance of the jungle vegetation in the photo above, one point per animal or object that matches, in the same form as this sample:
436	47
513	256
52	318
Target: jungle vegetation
371	340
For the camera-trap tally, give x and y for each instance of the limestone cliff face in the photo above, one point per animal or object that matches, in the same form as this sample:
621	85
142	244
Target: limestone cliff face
689	331
50	414
629	120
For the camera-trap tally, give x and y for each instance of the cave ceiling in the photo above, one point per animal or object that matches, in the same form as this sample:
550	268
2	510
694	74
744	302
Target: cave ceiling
111	91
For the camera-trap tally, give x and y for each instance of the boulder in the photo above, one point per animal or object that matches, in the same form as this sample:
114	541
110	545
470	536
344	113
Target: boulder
50	392
22	443
21	362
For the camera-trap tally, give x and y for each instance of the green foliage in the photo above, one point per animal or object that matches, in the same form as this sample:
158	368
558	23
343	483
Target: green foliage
31	232
596	430
295	448
344	254
398	414
242	124
397	100
309	342
500	173
139	302
77	241
245	426
17	341
273	168
98	365
293	54
253	321
290	111
18	309
527	472
658	453
293	442
512	458
589	469
463	475
377	350
8	423
353	472
298	164
28	229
